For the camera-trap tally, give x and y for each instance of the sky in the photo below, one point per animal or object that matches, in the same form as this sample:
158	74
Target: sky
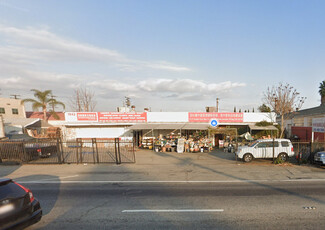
177	55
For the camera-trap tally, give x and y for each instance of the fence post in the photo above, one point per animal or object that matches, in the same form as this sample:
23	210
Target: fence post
93	140
81	160
58	152
273	149
133	151
77	152
116	150
62	152
119	150
310	154
97	151
24	153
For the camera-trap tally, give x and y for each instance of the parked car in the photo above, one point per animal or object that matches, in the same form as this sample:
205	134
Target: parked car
319	158
263	148
18	206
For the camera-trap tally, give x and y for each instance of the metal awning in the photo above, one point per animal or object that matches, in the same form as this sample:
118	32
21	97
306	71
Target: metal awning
22	122
195	126
170	126
255	127
144	126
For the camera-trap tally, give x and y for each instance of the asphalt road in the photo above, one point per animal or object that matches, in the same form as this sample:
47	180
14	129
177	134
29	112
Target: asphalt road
232	205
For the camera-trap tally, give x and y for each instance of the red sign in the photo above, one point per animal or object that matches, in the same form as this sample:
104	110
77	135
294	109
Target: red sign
221	117
122	117
87	116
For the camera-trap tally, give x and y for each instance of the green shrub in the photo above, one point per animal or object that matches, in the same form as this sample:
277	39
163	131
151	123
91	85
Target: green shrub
278	161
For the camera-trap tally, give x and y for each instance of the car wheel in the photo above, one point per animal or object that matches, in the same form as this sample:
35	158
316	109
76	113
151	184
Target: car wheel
247	157
283	157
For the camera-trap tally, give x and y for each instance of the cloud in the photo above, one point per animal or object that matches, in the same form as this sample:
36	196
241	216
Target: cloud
11	6
183	89
42	45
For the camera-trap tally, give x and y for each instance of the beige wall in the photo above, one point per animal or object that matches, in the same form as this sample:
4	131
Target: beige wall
8	104
2	128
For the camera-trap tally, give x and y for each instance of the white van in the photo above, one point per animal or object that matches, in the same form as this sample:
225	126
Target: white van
263	148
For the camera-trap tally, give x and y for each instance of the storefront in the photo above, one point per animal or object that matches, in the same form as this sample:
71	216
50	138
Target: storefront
165	136
163	131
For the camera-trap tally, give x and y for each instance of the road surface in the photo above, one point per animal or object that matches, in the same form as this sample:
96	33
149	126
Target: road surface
286	204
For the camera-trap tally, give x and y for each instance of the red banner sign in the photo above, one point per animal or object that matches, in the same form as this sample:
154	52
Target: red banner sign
221	117
122	117
87	116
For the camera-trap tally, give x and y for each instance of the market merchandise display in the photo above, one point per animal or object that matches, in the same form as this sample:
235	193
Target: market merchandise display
181	144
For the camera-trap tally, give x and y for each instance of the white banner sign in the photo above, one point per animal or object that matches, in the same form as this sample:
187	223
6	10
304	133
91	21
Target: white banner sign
318	124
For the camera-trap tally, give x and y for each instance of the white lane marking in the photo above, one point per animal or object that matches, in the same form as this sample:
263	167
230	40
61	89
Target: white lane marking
173	210
163	182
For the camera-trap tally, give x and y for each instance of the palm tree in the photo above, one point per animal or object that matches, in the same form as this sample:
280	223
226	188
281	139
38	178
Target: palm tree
44	98
53	103
322	92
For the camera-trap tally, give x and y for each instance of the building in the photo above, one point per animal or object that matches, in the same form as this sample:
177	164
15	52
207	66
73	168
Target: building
306	124
141	125
12	108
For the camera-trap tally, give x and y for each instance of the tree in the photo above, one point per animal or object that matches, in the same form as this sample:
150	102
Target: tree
83	100
283	99
43	100
264	109
235	109
322	92
53	104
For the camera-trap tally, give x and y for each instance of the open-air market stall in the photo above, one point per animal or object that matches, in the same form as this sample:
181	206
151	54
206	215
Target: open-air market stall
162	131
170	137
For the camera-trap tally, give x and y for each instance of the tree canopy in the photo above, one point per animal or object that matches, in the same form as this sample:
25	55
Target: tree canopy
283	99
42	101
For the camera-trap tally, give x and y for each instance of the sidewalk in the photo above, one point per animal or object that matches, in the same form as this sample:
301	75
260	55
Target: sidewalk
170	166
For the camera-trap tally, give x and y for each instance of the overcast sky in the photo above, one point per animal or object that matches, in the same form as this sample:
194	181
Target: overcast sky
168	55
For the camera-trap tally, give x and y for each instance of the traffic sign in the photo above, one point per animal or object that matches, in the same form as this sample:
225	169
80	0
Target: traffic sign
214	122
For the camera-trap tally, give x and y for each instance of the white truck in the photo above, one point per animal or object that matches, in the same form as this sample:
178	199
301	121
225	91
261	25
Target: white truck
263	148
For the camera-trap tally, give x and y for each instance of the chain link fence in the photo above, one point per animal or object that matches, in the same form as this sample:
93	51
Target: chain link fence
58	152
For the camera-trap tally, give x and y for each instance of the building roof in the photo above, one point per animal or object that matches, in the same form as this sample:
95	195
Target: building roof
269	127
23	122
40	115
311	111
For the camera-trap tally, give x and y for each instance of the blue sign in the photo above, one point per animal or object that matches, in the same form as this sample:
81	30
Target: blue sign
214	123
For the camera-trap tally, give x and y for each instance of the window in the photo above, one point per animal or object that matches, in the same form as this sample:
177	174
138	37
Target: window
14	111
2	111
285	144
261	145
268	144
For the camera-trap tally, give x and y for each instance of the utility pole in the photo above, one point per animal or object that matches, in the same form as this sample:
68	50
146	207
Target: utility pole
15	96
217	107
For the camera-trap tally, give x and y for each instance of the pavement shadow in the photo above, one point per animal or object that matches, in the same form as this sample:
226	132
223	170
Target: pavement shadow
193	163
6	170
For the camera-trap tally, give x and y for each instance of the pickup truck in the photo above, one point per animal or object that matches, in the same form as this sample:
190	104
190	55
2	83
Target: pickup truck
26	151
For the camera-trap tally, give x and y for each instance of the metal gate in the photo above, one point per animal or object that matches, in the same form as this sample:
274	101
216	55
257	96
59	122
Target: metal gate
59	152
